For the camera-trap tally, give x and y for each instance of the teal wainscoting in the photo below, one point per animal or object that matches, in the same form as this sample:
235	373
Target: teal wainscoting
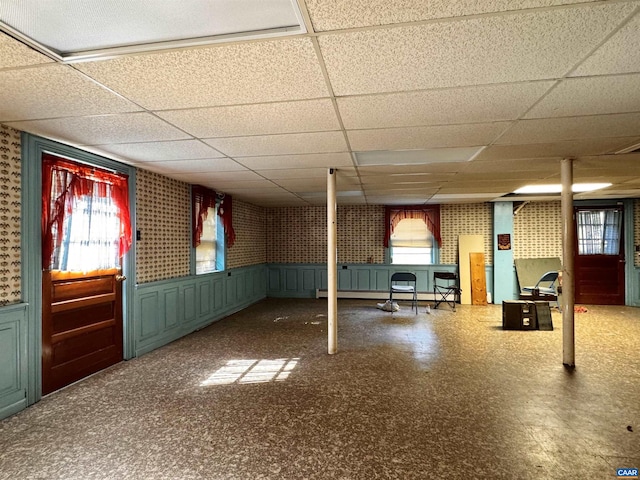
13	359
294	280
170	309
634	288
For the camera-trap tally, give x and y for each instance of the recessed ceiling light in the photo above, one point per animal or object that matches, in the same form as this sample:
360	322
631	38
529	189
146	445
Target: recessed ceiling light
557	188
74	30
417	157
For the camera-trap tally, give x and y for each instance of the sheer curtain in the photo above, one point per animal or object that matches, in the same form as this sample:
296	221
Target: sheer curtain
85	216
429	214
599	232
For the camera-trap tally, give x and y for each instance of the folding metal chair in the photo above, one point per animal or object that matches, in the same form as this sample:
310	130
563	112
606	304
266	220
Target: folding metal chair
446	289
409	278
545	290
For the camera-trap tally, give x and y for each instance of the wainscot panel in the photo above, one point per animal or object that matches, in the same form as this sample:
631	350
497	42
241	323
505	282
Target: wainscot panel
635	287
287	280
13	359
170	309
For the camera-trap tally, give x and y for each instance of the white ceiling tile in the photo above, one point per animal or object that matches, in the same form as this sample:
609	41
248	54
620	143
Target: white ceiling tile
317	184
211	179
466	197
237	176
591	96
338	14
432	168
294	202
103	129
549	130
160	151
288	144
485	187
292	173
326	160
266	193
54	91
535	167
398	179
398	200
497	49
620	54
258	119
203	165
571	148
420	188
249	72
16	54
439	107
425	137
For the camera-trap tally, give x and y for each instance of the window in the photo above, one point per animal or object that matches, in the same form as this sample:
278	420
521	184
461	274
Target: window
85	216
599	232
411	243
206	252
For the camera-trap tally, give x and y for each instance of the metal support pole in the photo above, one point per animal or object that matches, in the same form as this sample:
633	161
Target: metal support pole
332	264
568	251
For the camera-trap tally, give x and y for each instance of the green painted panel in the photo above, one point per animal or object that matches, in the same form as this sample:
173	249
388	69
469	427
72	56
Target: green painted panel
9	358
149	315
230	289
308	279
218	294
14	372
363	280
274	279
344	279
382	277
291	279
204	296
189	302
171	305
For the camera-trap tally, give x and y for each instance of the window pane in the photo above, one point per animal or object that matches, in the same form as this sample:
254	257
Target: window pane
411	232
88	239
599	232
411	255
206	251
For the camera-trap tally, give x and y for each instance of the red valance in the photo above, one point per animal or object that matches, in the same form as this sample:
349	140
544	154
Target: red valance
226	215
202	198
429	213
62	181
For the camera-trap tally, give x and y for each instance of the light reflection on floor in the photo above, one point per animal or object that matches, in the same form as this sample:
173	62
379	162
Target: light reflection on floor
252	371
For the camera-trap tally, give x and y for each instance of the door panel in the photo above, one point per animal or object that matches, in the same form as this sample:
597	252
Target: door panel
600	278
81	325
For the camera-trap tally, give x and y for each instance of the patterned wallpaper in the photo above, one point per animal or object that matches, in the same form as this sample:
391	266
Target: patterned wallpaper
537	231
163	213
299	234
465	219
10	216
250	225
361	238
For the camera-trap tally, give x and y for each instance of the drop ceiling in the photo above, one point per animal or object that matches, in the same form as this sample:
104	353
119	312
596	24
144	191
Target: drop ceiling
517	84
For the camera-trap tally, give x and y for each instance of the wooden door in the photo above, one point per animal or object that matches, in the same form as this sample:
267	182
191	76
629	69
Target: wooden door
81	325
599	260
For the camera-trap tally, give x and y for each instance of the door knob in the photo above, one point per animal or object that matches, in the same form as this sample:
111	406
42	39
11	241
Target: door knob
120	278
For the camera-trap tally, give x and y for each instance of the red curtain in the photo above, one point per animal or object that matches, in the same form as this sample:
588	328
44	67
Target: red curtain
429	213
62	181
202	198
225	212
